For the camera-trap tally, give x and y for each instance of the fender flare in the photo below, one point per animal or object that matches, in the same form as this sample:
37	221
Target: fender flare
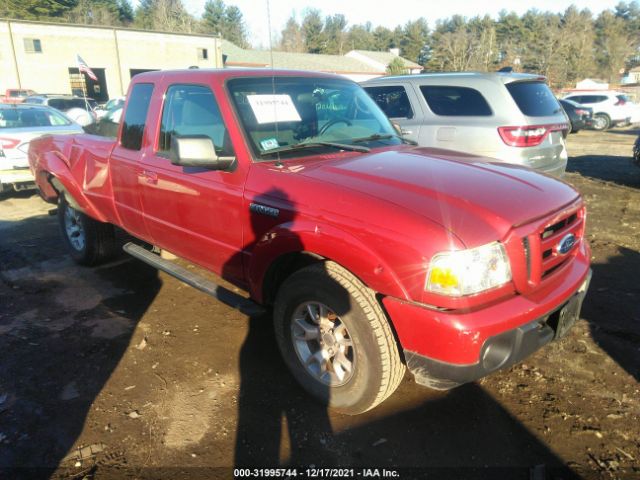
64	182
327	242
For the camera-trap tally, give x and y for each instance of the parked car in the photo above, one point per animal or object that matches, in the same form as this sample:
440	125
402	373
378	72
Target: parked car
634	107
62	102
579	115
636	151
610	108
79	109
19	125
107	125
16	95
375	255
510	117
114	103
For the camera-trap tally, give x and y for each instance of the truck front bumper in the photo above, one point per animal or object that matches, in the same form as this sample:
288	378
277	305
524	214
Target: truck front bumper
446	349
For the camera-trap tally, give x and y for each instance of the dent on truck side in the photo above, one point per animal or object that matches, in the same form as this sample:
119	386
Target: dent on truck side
53	172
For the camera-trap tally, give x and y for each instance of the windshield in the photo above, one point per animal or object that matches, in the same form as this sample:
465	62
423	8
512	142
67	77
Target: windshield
31	117
280	112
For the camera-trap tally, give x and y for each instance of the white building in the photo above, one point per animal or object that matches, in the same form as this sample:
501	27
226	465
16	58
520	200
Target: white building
42	56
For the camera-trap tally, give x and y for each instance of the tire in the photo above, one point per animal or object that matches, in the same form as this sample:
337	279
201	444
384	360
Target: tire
356	328
88	241
601	121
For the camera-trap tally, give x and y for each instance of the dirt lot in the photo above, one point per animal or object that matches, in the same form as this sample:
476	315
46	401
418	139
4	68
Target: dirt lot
120	372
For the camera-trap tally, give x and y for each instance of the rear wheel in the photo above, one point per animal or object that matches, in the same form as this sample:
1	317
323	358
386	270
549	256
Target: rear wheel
89	242
335	338
601	121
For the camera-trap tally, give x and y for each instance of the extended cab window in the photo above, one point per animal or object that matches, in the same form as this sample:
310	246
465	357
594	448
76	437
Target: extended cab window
455	101
136	116
193	110
393	100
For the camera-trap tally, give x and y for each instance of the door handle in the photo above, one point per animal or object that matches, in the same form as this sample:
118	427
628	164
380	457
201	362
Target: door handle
150	177
404	131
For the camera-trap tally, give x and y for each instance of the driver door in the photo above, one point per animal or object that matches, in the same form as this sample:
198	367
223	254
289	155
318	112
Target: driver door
190	211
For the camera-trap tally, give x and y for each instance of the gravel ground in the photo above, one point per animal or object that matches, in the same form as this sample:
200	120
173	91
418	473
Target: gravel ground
121	372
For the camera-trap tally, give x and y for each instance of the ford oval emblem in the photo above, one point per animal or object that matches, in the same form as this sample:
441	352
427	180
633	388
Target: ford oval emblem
566	244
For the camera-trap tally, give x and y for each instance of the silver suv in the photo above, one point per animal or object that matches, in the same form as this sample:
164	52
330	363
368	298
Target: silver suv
512	117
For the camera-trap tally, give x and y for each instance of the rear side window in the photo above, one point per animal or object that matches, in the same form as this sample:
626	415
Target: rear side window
136	116
534	99
455	101
193	110
392	100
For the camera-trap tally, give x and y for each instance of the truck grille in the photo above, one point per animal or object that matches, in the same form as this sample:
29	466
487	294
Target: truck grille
541	247
550	239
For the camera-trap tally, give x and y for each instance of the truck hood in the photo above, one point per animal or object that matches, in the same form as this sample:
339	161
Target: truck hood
476	200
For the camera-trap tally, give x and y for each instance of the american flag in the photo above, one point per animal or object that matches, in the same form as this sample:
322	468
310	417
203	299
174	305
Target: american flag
83	67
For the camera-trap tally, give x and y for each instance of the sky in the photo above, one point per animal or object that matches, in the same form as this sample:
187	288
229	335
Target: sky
388	14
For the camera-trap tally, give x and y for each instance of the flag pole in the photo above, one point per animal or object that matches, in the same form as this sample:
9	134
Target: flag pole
84	69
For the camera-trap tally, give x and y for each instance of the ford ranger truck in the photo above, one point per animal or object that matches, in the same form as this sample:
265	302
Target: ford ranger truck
374	255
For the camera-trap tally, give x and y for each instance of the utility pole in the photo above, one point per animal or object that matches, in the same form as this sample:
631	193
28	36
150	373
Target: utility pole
115	39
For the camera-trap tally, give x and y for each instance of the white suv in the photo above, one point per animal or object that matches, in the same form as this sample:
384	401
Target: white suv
609	107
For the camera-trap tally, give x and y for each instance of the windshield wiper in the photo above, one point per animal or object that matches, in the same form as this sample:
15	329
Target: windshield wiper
304	146
386	136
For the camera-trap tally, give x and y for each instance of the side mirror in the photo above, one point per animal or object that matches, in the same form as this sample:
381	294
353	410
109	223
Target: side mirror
397	128
197	151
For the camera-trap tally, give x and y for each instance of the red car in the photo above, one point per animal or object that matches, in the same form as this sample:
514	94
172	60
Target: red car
16	95
374	254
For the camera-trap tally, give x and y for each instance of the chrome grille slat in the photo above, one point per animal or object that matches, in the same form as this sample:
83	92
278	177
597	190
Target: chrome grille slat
550	237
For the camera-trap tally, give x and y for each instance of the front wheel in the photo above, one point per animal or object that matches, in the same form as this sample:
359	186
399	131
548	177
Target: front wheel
335	338
88	241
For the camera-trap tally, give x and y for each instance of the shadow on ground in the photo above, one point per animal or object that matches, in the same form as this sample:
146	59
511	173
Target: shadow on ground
620	170
63	331
619	334
464	433
633	132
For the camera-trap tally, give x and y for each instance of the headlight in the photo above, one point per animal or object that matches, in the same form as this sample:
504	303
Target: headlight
465	272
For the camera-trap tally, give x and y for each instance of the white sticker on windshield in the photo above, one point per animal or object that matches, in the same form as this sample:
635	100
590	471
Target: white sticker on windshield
273	108
269	143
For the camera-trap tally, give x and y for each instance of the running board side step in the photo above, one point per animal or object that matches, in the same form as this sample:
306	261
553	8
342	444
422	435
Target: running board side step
240	303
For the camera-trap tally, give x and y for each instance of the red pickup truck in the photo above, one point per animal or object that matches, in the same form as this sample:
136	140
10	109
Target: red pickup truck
374	254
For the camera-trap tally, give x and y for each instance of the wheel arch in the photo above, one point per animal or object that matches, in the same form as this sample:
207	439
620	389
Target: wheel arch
293	246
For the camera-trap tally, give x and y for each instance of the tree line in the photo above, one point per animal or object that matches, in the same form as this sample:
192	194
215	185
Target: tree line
564	47
162	15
